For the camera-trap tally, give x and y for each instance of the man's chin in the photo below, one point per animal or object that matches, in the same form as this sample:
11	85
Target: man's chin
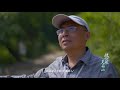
65	48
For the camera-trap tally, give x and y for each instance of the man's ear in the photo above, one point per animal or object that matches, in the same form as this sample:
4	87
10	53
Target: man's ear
87	36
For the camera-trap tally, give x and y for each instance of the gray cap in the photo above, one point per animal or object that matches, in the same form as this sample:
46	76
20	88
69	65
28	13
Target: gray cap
60	18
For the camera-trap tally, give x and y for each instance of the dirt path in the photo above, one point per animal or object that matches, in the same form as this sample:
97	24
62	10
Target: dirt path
31	66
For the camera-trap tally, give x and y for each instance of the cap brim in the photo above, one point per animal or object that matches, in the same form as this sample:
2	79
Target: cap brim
59	19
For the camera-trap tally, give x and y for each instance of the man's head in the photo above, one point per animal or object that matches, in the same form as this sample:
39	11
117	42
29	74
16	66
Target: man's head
73	31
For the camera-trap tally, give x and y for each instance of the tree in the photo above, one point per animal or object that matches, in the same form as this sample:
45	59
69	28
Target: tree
104	27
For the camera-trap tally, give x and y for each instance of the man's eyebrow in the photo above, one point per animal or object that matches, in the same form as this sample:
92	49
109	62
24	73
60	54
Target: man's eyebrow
83	27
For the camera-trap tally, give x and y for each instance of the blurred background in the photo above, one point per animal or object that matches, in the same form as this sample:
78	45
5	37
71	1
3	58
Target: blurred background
28	41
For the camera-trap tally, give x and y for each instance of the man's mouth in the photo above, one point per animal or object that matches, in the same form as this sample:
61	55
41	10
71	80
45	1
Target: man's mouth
66	41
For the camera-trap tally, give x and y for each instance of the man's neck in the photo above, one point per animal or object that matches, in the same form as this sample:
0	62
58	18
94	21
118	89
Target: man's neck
75	55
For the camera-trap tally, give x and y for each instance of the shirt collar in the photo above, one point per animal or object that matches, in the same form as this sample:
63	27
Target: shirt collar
85	59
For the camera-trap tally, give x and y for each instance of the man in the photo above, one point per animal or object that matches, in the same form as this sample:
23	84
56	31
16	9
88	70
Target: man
78	62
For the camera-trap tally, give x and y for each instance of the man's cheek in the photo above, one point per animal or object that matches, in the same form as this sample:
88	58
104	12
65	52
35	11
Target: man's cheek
60	43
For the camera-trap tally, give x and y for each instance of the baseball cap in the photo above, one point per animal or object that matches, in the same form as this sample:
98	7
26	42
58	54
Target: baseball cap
58	19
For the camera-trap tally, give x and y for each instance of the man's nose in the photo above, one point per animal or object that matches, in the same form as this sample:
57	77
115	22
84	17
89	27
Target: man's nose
65	33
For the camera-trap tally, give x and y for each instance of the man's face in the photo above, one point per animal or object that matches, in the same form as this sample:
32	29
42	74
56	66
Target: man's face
72	36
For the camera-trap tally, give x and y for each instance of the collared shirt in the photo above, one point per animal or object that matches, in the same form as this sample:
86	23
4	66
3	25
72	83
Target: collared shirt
89	66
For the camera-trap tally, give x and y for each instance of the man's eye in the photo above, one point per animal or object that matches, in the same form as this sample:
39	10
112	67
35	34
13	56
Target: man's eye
70	28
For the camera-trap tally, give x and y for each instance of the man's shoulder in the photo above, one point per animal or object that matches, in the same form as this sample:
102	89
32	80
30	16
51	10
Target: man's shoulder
96	59
104	65
58	59
100	60
57	62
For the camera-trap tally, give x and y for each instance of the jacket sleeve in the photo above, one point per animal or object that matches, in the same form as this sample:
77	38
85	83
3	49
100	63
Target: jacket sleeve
38	74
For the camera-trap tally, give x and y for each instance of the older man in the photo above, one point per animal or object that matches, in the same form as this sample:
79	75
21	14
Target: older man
73	33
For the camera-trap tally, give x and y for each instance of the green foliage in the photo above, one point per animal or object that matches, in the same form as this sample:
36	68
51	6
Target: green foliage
105	34
9	31
34	29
